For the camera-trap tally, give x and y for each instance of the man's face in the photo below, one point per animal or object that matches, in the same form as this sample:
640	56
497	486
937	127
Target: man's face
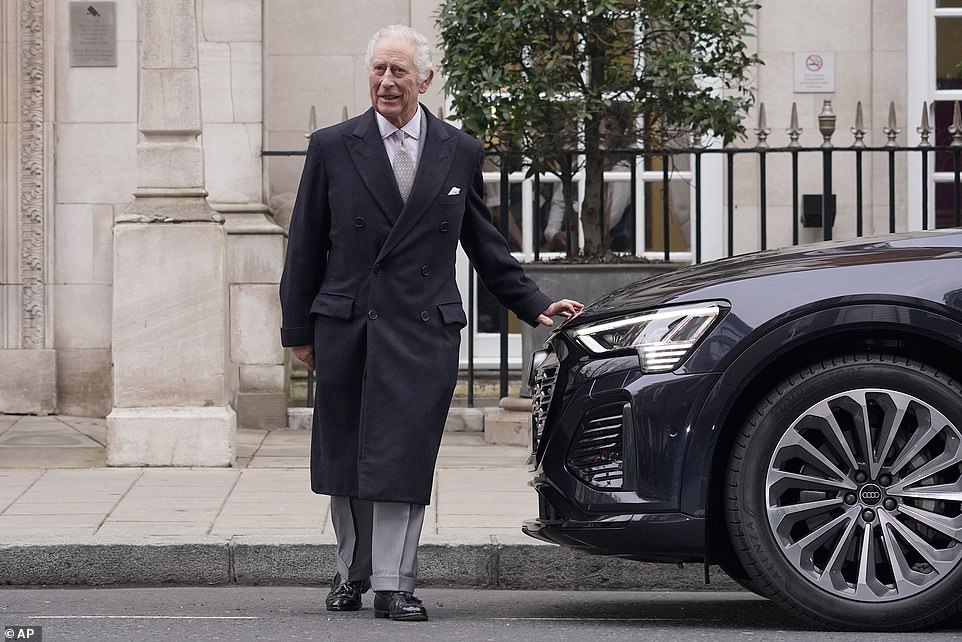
394	80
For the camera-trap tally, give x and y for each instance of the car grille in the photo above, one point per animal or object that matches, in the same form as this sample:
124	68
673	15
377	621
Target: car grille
596	456
544	381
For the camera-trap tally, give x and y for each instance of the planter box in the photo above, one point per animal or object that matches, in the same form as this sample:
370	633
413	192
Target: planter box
582	282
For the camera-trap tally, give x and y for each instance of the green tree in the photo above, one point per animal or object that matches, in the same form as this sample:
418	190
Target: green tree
540	79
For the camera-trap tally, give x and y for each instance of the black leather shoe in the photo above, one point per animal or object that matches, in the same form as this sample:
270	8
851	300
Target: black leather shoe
346	596
399	605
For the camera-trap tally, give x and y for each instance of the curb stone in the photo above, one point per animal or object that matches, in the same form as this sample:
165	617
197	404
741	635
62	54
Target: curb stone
222	562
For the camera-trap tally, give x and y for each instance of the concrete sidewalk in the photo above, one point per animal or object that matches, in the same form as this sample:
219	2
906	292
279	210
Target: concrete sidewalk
67	519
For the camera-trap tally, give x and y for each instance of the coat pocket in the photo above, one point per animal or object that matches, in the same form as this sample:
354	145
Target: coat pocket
451	199
453	313
330	304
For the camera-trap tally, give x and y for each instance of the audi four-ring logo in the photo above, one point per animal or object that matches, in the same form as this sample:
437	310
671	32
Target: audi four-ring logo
871	494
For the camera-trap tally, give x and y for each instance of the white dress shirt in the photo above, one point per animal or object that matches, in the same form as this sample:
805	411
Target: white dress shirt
412	141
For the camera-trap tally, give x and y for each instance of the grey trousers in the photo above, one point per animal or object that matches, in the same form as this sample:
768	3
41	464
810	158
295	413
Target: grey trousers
377	540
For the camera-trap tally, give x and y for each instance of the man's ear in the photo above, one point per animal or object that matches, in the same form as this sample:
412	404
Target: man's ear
423	87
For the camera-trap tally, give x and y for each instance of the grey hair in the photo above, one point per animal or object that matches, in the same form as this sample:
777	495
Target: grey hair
422	54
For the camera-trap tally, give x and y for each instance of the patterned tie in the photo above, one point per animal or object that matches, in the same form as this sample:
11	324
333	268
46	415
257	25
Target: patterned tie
403	166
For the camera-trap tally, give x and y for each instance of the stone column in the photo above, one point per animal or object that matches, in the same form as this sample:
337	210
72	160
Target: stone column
231	48
27	360
170	296
255	257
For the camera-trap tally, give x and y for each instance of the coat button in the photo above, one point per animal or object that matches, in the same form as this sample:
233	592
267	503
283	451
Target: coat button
425	270
445	226
378	268
371	314
425	316
359	222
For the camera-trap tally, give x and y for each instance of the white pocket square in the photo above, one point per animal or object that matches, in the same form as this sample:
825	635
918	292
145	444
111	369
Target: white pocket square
454	191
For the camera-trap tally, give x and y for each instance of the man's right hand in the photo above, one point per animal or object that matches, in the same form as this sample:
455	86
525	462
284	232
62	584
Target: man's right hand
305	354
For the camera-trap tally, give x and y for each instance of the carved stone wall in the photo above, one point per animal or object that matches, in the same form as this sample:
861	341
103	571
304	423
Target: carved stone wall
7	153
27	364
32	165
10	293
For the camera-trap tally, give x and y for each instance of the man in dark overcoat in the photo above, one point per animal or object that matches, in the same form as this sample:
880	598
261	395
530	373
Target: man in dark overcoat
370	302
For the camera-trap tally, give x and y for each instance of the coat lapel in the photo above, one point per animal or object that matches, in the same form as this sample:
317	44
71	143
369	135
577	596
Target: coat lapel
433	167
372	163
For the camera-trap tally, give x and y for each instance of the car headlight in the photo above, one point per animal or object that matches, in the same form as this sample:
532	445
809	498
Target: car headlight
663	337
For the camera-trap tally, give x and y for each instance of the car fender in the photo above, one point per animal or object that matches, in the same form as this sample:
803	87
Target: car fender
765	346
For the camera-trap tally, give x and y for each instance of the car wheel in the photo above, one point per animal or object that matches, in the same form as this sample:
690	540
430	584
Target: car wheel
733	569
844	494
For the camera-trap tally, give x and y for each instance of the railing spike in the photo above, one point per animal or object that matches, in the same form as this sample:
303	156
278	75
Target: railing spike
794	131
892	129
956	127
924	130
859	130
311	122
763	130
344	113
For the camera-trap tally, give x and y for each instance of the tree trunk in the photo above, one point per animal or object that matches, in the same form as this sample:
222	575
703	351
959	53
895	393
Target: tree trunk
592	212
573	235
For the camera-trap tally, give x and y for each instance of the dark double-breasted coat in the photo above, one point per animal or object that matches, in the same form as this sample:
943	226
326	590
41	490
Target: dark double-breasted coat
370	281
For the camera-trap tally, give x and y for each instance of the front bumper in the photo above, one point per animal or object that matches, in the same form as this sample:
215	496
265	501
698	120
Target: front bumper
609	446
645	537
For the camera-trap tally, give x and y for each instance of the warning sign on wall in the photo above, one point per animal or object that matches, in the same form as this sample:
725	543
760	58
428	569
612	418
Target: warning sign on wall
814	72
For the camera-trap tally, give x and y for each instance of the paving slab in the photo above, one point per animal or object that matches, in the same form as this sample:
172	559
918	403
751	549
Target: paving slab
49	457
68	519
288	438
141	529
7	421
60	508
95	429
273	509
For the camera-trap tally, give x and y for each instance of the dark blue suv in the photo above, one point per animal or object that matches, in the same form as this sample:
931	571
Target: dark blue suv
792	416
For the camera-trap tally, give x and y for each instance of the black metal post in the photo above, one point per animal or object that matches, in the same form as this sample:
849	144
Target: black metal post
634	203
826	127
605	220
826	194
957	199
665	212
731	203
925	190
536	232
794	197
891	191
472	310
858	192
697	207
502	311
762	200
567	180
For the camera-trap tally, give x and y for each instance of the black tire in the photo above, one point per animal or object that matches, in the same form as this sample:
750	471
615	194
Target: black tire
733	569
852	539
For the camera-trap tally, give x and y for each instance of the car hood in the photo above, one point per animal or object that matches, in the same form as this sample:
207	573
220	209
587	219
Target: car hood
684	283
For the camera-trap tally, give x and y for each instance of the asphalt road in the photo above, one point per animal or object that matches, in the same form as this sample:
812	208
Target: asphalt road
297	613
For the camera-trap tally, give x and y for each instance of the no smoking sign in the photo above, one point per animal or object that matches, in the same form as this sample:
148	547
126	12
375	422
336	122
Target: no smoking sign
814	72
814	62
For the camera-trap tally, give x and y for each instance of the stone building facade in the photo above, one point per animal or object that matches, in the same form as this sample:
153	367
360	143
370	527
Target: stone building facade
142	230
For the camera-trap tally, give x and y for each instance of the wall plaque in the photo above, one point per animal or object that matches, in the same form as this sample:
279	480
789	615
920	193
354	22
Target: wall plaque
814	72
93	34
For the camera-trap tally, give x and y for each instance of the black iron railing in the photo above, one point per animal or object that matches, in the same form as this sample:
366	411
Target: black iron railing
938	165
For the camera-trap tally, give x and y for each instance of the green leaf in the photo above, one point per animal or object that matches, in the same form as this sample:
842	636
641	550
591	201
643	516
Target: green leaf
532	74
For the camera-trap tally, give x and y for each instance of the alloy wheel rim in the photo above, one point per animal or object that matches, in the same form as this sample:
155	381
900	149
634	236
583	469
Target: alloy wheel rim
864	495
